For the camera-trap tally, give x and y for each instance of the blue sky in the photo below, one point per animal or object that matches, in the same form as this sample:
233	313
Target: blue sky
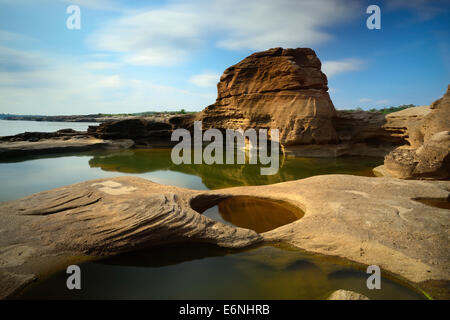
133	56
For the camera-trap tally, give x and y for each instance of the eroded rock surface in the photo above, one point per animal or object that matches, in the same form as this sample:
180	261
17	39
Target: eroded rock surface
66	140
278	88
403	123
141	131
367	220
427	154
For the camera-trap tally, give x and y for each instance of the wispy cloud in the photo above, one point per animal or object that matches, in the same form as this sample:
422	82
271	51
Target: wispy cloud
205	79
383	102
333	90
333	68
49	84
376	103
97	4
173	32
424	9
100	65
107	5
7	36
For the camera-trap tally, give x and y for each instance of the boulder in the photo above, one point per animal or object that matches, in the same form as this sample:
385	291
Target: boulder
403	124
429	161
129	129
142	131
279	88
426	156
437	120
346	295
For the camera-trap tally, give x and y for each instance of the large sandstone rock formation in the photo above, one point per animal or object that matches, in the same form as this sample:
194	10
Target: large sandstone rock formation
367	220
278	88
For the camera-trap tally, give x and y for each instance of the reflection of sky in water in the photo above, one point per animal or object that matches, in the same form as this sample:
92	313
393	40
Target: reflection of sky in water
175	178
20	179
12	127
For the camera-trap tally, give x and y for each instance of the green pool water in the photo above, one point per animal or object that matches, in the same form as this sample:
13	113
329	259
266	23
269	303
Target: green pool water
199	271
27	175
196	271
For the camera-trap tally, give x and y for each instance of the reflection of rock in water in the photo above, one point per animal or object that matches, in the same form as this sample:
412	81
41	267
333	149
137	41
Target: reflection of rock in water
218	176
133	161
301	265
168	255
267	268
443	203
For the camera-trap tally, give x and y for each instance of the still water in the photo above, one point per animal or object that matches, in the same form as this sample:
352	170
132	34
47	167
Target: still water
12	127
260	215
27	175
198	271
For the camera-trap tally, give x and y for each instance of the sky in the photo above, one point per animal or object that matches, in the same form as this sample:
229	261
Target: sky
136	56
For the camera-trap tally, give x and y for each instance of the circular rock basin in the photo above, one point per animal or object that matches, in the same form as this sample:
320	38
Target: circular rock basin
253	213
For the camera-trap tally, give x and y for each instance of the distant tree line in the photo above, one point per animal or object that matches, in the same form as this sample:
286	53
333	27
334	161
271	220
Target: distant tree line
146	113
383	110
100	115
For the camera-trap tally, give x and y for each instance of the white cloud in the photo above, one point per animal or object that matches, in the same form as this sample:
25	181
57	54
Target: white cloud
7	36
383	102
205	79
156	57
12	60
377	103
44	83
333	90
333	68
109	5
96	4
110	81
171	33
100	65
